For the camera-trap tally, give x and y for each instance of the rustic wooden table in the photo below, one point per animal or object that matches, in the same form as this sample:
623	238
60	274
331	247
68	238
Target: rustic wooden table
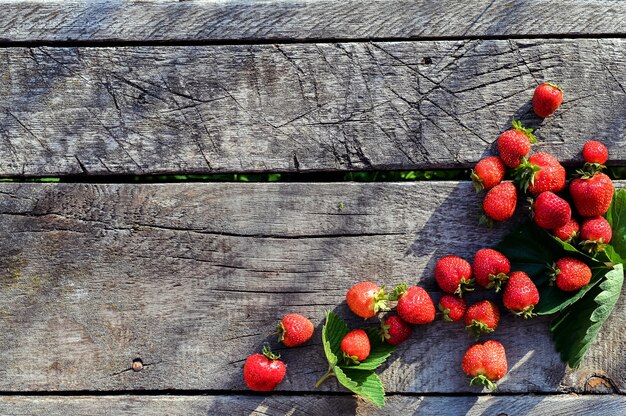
97	272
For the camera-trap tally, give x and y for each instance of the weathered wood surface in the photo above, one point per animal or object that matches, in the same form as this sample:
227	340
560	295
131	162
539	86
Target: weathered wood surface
192	278
174	20
299	107
313	405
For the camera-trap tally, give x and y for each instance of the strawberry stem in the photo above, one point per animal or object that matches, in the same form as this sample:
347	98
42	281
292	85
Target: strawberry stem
329	373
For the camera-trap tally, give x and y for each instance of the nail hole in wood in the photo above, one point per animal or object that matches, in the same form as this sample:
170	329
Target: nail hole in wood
137	365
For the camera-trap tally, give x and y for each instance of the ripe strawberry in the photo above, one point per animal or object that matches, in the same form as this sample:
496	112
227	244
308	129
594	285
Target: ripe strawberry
395	331
415	305
366	298
488	173
595	233
294	329
482	318
546	99
551	211
454	275
263	372
499	203
541	172
452	308
595	152
491	268
570	274
592	195
521	295
568	232
356	345
485	362
514	144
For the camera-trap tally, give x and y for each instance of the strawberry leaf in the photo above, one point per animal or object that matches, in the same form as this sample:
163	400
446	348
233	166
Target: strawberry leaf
333	332
364	383
577	326
616	216
379	352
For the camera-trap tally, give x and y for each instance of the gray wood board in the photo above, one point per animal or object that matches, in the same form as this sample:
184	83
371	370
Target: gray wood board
142	110
557	405
244	20
192	278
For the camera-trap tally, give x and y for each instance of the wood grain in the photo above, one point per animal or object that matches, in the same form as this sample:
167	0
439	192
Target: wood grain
313	405
141	110
192	278
242	20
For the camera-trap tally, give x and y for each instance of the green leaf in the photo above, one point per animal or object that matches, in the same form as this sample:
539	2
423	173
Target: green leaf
364	383
333	332
552	299
380	351
577	326
616	216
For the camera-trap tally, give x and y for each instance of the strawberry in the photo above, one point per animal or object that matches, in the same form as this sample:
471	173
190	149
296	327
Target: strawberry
595	152
263	372
454	275
485	362
568	232
570	274
592	195
551	211
395	331
595	233
488	173
499	203
546	99
521	295
366	298
415	305
514	144
541	172
294	329
356	345
452	308
482	318
491	268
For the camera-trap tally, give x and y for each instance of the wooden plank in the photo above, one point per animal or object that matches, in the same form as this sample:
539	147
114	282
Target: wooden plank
168	20
557	405
192	278
99	111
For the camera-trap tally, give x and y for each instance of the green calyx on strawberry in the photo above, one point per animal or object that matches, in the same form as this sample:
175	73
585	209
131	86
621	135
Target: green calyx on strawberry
366	299
482	318
486	363
517	125
539	173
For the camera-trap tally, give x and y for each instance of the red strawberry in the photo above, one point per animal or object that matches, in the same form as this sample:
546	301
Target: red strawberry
514	144
499	203
488	173
570	274
454	275
546	99
485	362
541	172
568	232
521	295
595	152
452	308
592	195
366	298
595	233
491	268
356	345
551	211
415	305
482	318
263	372
395	331
294	330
